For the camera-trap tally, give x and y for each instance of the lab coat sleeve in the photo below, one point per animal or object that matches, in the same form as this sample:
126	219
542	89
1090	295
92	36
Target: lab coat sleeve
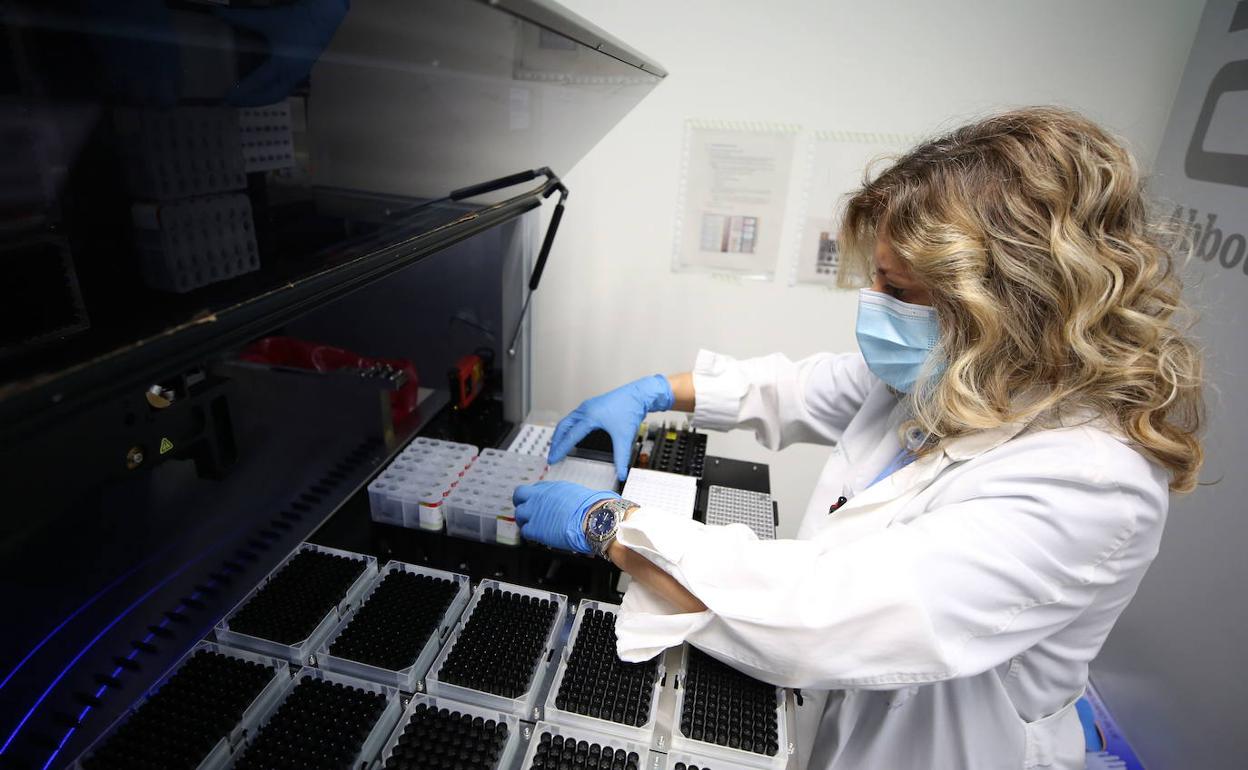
782	401
959	590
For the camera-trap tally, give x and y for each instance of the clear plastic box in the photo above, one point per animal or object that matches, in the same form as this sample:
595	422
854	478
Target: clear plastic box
480	508
408	679
510	748
681	742
376	737
180	152
177	253
219	756
422	447
411	499
485	514
642	734
526	706
267	137
532	439
515	459
412	490
301	652
592	736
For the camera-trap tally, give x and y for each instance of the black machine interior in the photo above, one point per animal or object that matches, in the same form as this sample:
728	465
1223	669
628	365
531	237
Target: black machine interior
205	360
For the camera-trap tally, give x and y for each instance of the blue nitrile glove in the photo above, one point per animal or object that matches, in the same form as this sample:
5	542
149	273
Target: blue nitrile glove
619	412
553	513
297	35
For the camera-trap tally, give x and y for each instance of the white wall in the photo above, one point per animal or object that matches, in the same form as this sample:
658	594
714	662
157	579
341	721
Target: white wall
610	309
1173	670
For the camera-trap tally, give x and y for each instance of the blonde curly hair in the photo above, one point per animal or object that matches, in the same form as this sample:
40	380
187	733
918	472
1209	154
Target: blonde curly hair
1055	290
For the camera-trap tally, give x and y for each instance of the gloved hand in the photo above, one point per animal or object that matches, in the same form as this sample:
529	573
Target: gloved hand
619	412
553	513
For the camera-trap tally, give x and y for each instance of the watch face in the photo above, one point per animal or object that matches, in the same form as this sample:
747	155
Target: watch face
601	522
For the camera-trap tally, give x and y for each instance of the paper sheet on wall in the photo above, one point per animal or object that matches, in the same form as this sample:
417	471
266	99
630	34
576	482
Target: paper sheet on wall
836	163
733	193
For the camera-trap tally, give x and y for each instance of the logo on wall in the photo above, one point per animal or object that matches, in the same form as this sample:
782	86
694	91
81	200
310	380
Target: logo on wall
1208	240
1203	160
1218	150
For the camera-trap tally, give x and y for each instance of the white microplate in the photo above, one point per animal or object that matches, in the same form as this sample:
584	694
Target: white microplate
670	492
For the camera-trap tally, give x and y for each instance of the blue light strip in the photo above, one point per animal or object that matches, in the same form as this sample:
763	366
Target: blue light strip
73	661
87	709
202	555
98	636
117	581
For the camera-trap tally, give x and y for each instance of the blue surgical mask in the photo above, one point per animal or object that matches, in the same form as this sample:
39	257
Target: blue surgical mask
896	338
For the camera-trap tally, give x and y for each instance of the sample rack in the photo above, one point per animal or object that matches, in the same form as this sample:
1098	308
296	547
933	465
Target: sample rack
291	611
325	721
195	714
436	733
398	628
552	746
713	698
498	656
596	690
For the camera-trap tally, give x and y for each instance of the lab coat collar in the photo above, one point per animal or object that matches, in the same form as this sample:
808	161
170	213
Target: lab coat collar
912	479
975	444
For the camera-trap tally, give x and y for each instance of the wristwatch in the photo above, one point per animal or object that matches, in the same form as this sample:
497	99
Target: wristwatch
602	522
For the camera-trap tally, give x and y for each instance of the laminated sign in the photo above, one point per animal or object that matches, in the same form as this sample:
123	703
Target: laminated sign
836	163
734	189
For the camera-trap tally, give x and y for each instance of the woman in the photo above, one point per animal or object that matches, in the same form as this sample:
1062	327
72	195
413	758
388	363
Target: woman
1004	448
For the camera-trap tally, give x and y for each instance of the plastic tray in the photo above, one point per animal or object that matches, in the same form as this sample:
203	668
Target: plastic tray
671	492
302	652
376	737
219	756
401	499
178	254
532	439
525	706
588	473
490	456
642	734
702	762
510	749
592	736
680	742
434	454
726	505
484	514
410	678
267	137
410	491
479	507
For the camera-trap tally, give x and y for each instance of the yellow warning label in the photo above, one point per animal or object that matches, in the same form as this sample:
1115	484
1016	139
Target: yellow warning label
165	445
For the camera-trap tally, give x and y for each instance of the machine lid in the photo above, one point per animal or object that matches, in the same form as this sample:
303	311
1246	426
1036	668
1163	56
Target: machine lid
180	177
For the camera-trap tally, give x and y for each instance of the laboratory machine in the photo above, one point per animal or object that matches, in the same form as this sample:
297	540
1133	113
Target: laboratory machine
266	387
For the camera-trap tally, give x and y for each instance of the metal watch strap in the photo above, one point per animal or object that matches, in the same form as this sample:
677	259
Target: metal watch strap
619	506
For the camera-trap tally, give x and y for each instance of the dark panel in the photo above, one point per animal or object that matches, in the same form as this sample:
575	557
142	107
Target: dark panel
98	552
183	177
177	170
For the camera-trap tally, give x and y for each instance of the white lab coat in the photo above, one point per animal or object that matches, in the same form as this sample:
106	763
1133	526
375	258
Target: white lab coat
950	611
